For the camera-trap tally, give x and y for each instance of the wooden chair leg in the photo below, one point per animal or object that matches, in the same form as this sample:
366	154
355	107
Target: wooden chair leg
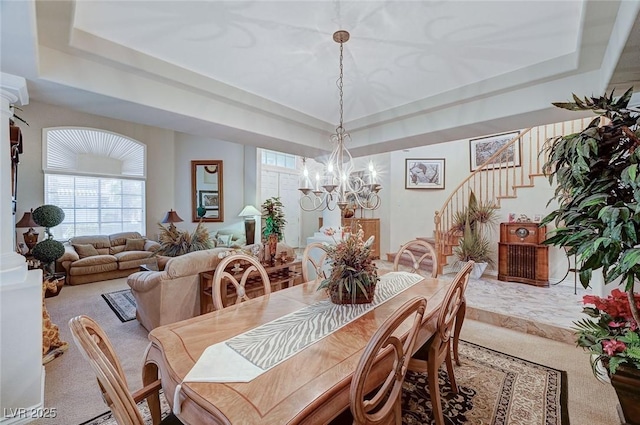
150	374
434	392
458	327
452	377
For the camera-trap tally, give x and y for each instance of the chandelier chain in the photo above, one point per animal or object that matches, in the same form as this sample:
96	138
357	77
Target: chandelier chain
341	91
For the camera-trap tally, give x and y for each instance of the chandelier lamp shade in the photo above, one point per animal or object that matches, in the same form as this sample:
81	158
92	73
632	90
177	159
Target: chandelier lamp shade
249	213
30	236
340	186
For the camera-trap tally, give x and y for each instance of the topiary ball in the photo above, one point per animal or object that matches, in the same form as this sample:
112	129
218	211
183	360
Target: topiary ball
48	251
48	215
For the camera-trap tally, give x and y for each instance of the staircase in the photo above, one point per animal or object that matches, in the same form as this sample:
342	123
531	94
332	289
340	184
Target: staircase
512	168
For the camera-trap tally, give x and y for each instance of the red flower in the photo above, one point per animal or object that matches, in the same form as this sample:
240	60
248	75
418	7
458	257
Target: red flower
612	346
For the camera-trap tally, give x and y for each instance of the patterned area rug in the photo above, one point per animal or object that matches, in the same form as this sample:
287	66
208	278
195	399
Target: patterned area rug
122	303
493	388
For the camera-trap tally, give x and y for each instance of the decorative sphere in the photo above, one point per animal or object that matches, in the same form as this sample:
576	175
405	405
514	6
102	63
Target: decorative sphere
48	250
48	215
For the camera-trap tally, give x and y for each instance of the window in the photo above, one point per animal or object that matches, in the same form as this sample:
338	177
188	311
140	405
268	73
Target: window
278	159
97	178
95	205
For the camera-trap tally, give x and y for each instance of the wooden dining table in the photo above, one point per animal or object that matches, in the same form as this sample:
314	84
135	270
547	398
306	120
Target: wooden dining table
310	387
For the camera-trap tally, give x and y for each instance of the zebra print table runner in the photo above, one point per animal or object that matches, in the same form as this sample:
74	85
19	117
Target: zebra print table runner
246	356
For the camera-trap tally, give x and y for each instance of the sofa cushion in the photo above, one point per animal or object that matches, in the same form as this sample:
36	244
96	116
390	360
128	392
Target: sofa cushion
134	263
134	245
100	242
117	241
132	255
85	250
223	240
94	264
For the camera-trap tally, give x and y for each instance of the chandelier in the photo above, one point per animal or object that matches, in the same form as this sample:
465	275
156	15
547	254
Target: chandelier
340	186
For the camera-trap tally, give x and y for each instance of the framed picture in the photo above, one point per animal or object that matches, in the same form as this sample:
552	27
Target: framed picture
537	218
209	199
427	173
483	148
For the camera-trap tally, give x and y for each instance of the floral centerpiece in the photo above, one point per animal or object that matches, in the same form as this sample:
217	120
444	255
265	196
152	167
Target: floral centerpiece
614	337
354	275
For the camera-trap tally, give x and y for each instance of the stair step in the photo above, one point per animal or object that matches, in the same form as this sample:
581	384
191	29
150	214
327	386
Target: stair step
431	240
523	185
506	197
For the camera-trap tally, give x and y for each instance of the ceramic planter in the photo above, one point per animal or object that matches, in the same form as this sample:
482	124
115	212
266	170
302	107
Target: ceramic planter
626	382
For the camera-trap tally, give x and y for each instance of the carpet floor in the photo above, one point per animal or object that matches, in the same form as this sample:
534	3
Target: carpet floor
493	388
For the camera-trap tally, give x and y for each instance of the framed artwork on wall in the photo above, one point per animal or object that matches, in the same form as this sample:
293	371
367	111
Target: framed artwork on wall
481	150
424	173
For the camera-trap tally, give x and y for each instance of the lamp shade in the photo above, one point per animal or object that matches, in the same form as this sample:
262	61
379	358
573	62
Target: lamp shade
171	217
249	211
26	221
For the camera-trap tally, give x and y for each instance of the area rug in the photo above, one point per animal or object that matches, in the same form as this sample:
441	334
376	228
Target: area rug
493	389
122	303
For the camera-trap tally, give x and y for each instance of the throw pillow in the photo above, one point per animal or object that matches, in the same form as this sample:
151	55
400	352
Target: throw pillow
85	250
223	240
134	245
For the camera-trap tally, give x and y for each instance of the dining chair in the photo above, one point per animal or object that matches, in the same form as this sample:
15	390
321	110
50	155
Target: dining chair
95	346
314	262
437	349
408	250
238	269
411	249
383	405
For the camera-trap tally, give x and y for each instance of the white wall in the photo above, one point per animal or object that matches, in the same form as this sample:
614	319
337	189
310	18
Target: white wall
188	148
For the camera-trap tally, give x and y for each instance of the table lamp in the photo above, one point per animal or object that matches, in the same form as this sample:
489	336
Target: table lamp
249	213
171	217
30	236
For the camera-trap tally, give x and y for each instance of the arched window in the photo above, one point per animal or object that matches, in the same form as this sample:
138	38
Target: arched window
97	178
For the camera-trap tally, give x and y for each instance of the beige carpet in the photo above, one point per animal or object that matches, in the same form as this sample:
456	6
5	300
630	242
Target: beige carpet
71	386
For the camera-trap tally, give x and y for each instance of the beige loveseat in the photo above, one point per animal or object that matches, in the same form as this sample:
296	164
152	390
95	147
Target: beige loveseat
173	294
101	257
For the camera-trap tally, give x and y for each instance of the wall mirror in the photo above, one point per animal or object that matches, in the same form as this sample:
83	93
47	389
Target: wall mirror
207	200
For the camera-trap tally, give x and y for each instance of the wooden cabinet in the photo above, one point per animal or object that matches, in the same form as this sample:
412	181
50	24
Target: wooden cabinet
370	227
521	255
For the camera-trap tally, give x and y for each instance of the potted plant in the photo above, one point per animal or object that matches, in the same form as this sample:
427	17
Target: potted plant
274	221
598	220
474	222
49	250
354	275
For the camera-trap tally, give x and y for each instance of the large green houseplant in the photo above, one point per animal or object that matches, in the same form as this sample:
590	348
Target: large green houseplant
273	215
274	221
598	220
